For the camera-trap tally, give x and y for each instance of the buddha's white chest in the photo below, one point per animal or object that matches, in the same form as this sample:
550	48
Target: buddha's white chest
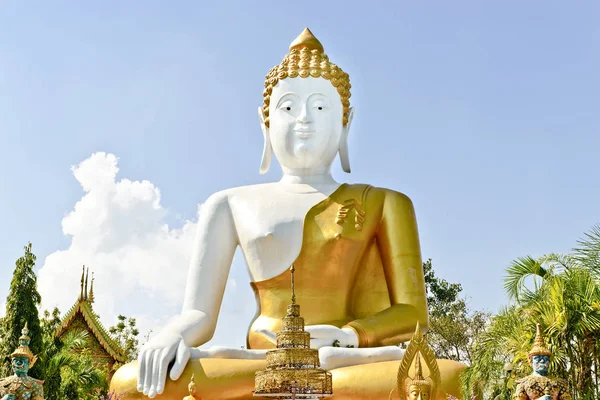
269	223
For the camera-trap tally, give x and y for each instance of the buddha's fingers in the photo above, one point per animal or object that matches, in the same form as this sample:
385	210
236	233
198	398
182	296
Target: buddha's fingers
142	370
181	359
163	363
148	374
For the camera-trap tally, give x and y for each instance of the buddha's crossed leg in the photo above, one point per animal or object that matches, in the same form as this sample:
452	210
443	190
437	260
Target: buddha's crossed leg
228	373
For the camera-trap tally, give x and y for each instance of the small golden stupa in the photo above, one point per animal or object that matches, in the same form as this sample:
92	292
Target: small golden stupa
293	368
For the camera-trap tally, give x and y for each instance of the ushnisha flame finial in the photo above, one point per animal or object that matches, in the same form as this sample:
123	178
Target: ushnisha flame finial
307	40
418	371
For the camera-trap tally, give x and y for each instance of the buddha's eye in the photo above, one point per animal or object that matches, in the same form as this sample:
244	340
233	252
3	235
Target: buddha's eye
287	105
319	105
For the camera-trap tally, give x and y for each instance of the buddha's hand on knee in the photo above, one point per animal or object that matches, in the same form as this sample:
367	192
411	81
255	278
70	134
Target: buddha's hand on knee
328	335
154	360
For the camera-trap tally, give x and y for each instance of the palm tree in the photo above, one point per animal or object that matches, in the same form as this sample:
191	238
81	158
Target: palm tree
71	370
561	292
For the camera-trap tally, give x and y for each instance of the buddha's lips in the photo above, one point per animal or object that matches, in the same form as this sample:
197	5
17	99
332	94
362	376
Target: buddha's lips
303	133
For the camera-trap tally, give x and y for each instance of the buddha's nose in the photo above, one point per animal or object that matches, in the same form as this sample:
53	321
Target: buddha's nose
303	117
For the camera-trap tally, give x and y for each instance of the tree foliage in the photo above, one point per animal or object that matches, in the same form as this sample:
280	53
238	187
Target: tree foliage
65	364
453	327
22	305
126	334
560	292
52	347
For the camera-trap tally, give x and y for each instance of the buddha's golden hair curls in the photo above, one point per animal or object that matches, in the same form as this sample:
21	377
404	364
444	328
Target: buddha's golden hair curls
306	58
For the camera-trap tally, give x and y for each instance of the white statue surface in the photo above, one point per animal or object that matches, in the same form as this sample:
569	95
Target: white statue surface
305	126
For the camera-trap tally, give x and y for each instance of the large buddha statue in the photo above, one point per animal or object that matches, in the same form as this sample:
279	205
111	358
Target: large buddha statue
355	248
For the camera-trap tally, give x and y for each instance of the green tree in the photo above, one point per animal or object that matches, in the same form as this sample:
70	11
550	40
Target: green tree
126	334
442	296
78	376
50	354
562	293
68	367
453	327
22	307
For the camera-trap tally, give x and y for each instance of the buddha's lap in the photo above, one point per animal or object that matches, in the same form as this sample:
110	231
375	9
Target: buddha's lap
227	379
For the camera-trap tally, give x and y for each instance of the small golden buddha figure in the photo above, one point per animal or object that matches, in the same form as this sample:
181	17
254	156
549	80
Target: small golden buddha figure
417	387
192	390
539	385
355	247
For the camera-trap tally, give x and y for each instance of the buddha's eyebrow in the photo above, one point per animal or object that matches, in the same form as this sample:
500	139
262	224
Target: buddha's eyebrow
317	94
285	96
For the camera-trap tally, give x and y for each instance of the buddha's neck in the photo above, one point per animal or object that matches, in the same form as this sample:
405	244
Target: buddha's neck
308	177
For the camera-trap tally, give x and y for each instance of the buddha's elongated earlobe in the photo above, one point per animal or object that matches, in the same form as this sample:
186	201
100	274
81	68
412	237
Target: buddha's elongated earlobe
265	162
344	153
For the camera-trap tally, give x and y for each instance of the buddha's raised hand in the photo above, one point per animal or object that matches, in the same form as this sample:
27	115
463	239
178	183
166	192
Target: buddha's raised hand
322	336
154	360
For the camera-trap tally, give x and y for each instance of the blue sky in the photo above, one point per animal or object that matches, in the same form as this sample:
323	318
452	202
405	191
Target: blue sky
485	113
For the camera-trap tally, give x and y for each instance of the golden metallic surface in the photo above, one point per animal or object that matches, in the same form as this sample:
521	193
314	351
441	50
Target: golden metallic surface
293	367
539	345
369	279
215	379
221	379
418	347
308	40
307	59
374	381
192	390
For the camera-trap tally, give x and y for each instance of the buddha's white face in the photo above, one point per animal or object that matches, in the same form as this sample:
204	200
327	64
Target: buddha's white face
305	123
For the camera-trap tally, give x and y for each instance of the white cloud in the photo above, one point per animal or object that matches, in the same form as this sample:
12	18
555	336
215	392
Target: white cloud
140	264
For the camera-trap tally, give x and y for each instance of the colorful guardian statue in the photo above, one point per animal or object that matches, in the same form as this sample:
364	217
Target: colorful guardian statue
20	386
359	274
418	387
539	385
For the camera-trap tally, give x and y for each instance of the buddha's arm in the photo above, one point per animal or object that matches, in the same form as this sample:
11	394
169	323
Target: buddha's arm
214	247
212	255
211	260
398	242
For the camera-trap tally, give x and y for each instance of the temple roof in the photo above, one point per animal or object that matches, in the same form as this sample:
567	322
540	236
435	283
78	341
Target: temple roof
83	306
